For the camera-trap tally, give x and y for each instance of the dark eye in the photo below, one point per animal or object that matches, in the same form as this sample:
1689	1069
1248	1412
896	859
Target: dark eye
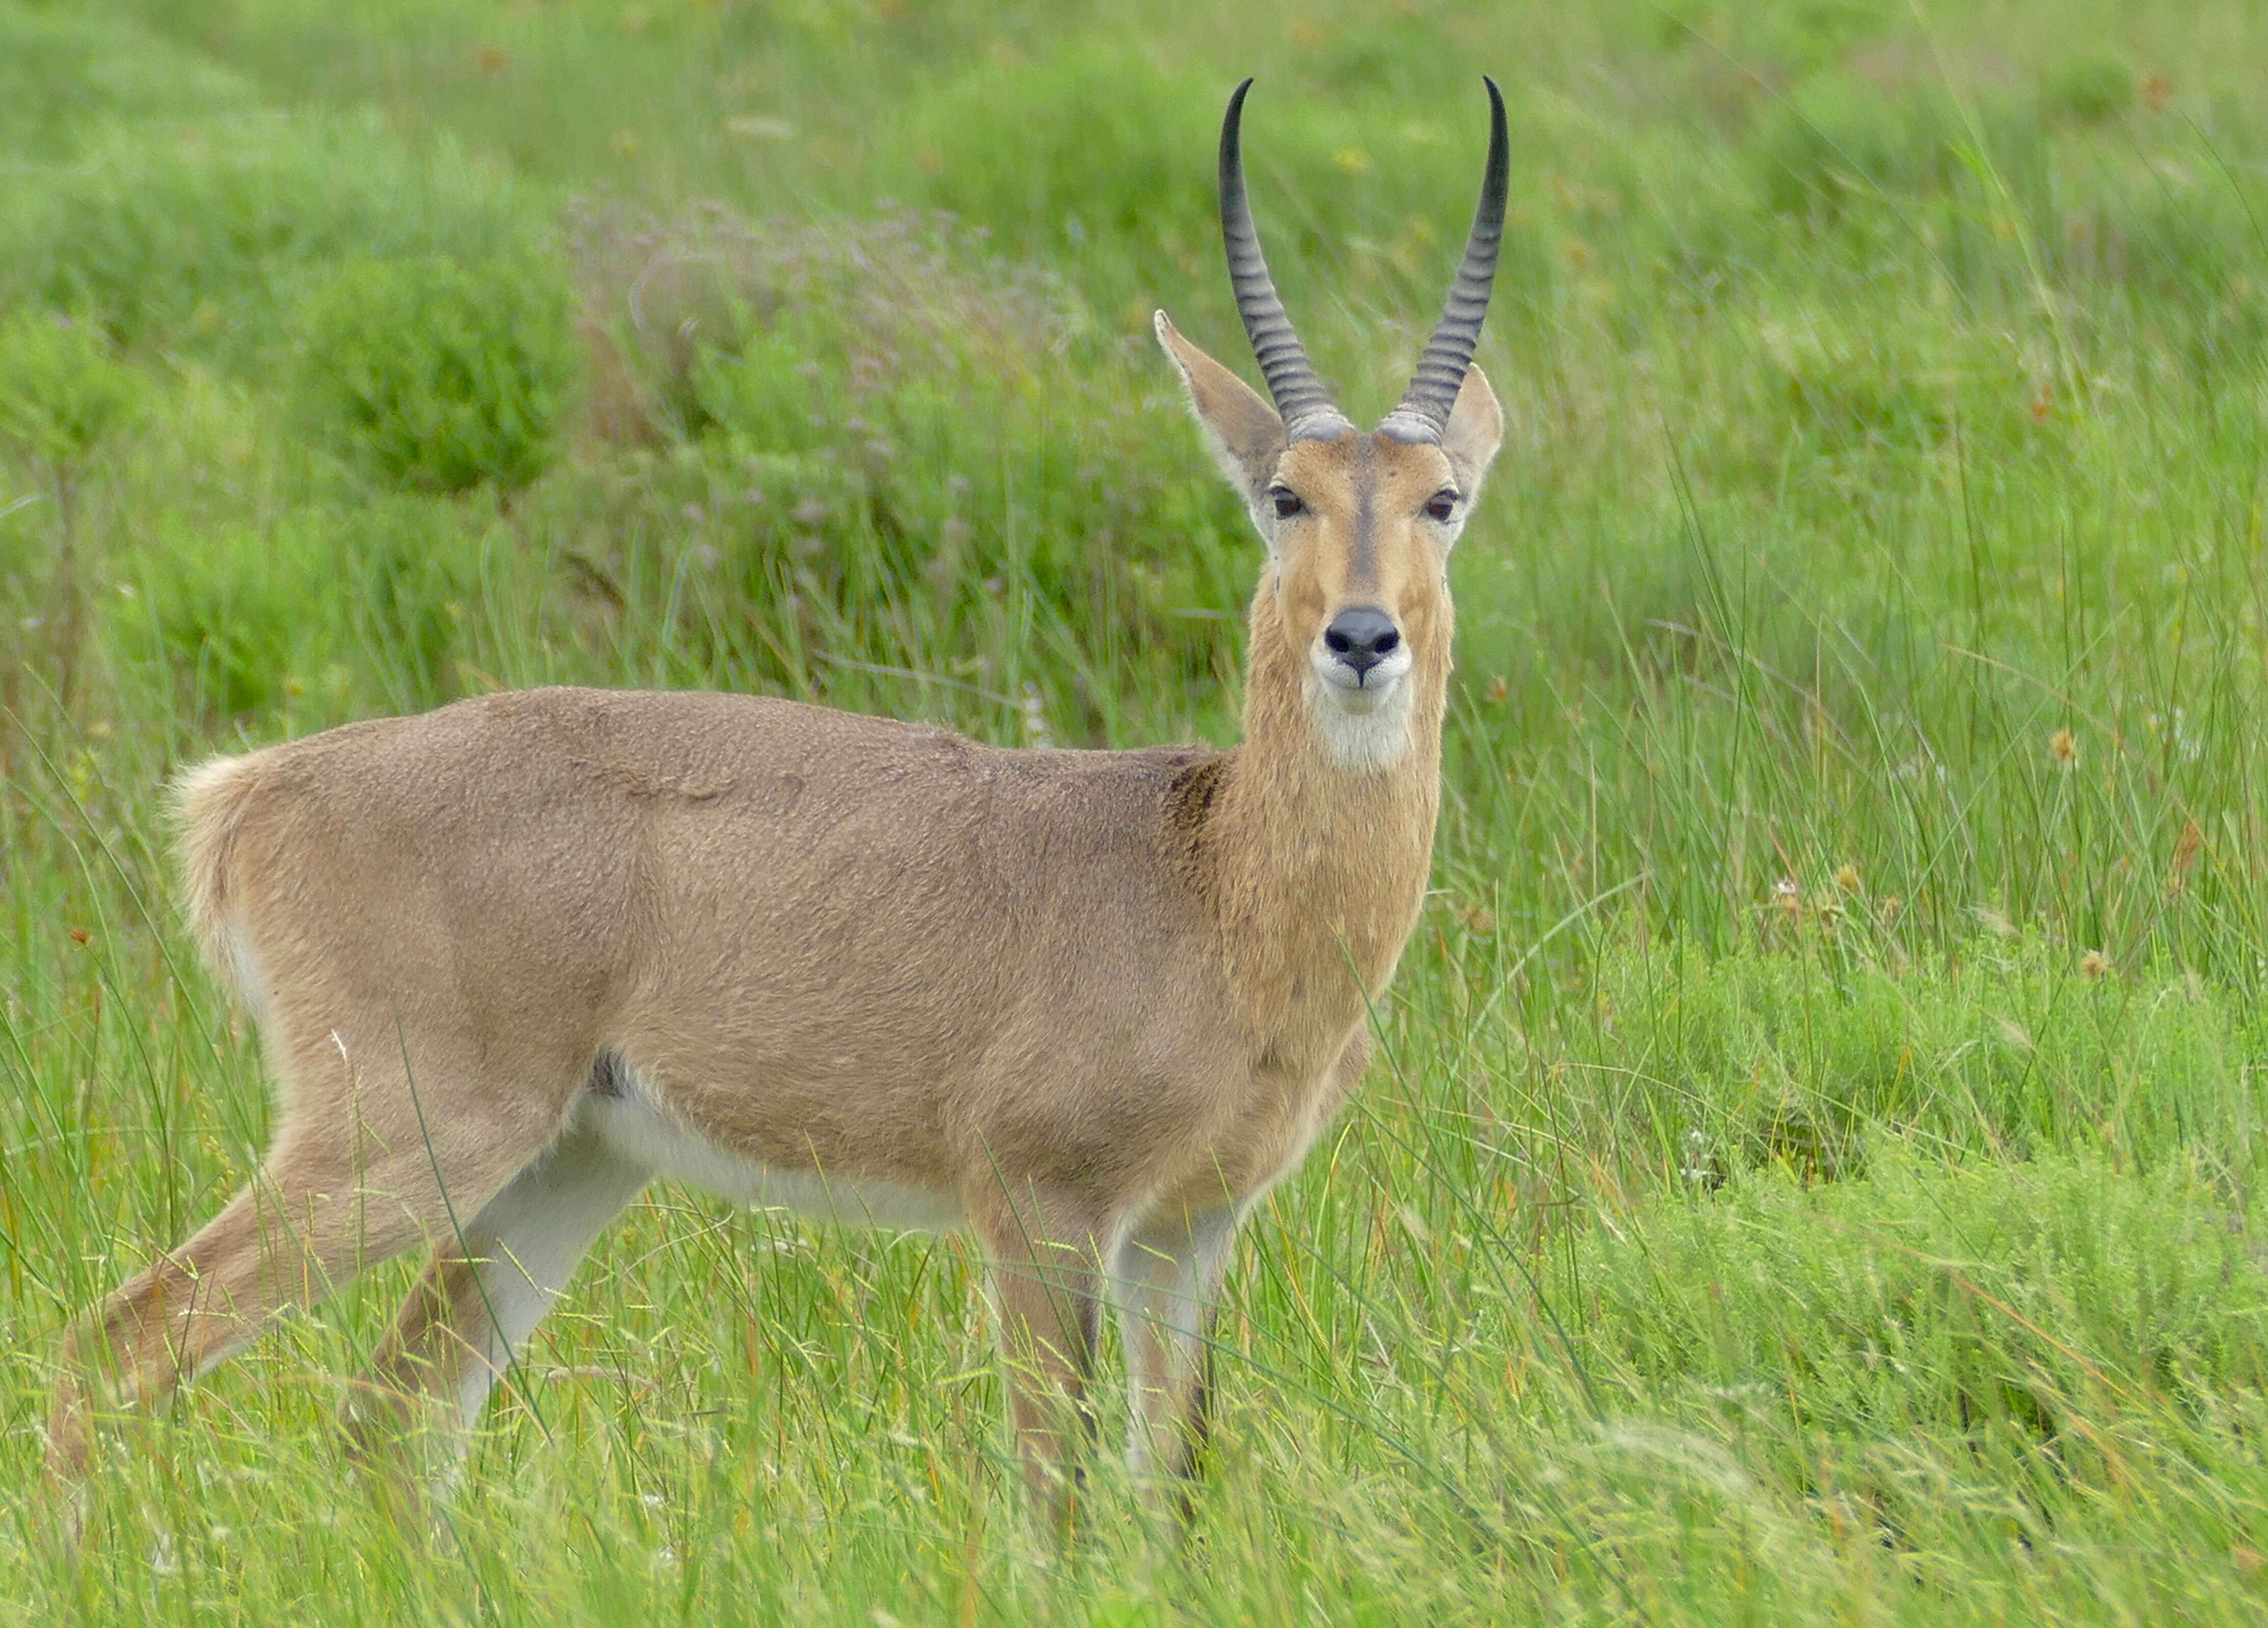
1442	504
1287	502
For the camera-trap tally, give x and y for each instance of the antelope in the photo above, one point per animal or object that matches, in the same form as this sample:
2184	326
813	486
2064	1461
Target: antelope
515	958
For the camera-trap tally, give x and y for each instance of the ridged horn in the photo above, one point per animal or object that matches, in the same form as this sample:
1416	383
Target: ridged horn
1424	413
1300	400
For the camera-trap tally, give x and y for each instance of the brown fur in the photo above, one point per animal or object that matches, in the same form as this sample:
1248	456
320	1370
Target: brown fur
1098	1000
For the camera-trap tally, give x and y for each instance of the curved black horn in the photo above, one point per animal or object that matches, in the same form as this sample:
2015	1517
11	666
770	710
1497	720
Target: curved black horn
1300	396
1424	413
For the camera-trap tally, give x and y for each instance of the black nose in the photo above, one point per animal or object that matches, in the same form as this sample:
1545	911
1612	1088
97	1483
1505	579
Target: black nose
1362	637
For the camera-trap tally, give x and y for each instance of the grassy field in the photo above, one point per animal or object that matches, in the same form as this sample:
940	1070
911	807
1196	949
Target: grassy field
1813	1168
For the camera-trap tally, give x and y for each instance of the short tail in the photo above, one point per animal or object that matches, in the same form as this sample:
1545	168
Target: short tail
208	804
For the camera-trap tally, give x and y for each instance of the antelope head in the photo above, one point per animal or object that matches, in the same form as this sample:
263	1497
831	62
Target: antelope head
1359	526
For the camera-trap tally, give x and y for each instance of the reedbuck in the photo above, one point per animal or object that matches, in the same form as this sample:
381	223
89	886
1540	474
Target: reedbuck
514	959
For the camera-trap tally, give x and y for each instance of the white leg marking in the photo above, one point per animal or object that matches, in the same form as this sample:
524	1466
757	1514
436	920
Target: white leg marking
1166	1278
530	1238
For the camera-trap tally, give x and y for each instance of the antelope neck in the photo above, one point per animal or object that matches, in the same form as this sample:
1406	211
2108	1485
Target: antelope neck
1316	865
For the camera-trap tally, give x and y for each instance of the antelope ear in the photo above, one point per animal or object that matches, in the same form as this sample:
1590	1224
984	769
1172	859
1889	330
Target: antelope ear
1242	431
1474	430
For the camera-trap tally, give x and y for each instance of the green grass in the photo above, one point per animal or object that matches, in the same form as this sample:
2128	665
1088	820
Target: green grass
1813	1168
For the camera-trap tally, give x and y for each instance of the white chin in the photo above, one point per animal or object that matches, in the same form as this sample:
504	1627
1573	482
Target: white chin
1365	728
1371	699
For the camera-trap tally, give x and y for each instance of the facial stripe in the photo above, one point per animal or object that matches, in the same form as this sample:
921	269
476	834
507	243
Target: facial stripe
1362	568
1362	564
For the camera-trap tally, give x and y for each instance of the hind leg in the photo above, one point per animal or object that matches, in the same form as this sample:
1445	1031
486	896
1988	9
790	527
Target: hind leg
365	1171
481	1297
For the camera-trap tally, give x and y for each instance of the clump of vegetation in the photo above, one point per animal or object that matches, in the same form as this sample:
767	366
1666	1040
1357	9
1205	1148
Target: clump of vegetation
1796	1061
1854	383
836	400
2036	1311
1116	153
1844	141
66	73
206	237
1114	170
233	609
63	395
1833	140
2088	89
441	376
411	565
247	621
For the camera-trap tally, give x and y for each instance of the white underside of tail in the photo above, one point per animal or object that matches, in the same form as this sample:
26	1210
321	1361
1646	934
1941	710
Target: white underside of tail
241	965
207	802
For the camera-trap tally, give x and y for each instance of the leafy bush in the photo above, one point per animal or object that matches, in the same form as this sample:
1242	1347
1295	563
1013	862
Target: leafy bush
1837	137
2088	89
341	605
439	375
1852	383
1787	41
406	562
1917	1301
203	236
237	612
63	71
1842	138
62	392
357	609
1113	147
1993	1049
881	450
1112	163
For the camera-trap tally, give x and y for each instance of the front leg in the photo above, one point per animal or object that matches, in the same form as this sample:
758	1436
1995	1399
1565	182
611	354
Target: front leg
1044	1265
1166	1279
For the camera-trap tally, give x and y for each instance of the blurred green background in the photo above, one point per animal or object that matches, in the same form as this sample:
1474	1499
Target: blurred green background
1811	1167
